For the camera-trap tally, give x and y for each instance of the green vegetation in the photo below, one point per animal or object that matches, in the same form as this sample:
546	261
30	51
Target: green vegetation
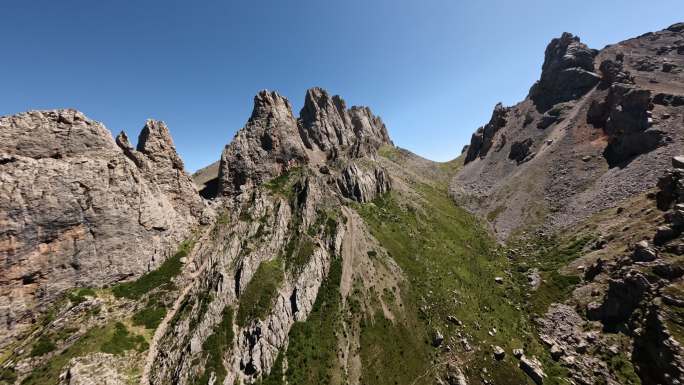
549	255
258	296
43	346
162	276
113	338
391	353
275	377
311	354
282	184
8	375
151	315
450	263
216	346
78	296
122	340
298	252
492	215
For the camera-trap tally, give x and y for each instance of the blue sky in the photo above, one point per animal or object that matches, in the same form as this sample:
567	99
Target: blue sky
432	69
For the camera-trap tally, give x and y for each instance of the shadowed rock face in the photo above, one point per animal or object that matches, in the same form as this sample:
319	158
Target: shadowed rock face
78	211
567	72
482	139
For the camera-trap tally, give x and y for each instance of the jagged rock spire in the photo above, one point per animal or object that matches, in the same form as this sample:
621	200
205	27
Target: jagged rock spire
156	143
268	145
482	139
567	72
273	141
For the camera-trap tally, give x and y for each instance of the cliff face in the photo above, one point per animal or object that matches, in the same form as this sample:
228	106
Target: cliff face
77	211
589	134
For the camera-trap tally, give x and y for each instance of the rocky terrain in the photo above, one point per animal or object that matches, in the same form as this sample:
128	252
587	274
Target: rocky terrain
598	127
314	251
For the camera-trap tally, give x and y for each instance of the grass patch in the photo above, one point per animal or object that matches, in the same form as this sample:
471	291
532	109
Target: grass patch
275	377
216	346
150	316
43	346
450	263
549	255
257	299
113	337
390	353
162	276
122	340
283	183
298	252
492	215
78	296
311	354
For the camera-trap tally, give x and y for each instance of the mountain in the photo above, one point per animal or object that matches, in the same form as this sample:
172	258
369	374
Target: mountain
315	251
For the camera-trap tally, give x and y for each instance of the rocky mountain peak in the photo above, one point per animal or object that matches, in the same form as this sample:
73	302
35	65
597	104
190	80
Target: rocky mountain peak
265	147
567	72
482	139
53	134
325	122
156	143
273	141
271	105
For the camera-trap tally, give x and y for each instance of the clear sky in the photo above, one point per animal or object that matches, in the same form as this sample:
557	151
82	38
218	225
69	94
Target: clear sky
432	69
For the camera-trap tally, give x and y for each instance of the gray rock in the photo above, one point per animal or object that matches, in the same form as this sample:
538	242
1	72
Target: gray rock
643	252
517	353
265	148
533	368
483	138
78	211
678	161
499	353
520	150
437	339
567	72
361	185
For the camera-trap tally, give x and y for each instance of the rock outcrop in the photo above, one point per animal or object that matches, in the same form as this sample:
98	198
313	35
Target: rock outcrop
77	211
567	72
363	185
266	147
596	138
482	139
273	141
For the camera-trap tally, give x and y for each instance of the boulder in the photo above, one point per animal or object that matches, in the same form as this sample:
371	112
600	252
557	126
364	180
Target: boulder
643	252
499	353
678	161
533	368
624	295
613	72
437	339
664	234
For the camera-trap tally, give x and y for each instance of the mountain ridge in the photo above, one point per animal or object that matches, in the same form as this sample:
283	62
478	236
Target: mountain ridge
316	251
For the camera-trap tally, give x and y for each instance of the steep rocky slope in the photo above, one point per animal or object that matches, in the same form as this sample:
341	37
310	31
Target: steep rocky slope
78	210
596	128
567	178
